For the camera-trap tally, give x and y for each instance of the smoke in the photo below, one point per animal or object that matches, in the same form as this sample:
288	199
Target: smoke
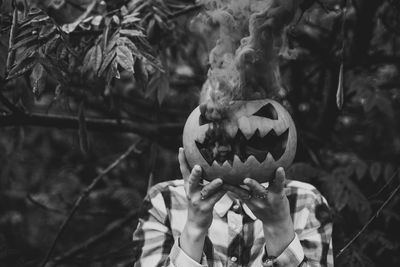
244	68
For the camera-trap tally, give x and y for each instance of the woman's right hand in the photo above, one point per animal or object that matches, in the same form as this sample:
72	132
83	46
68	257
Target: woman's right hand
201	199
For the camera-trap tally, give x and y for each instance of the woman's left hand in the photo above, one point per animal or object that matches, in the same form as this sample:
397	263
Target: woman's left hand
271	206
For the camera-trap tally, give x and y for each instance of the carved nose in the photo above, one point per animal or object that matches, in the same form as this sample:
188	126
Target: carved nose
211	112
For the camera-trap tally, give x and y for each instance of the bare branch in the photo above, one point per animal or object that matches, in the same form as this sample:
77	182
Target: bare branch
93	124
110	229
394	192
85	194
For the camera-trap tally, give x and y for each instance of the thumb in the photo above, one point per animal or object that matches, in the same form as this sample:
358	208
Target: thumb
277	184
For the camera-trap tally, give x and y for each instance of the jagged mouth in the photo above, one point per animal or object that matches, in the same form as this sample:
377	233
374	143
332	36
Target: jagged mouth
219	147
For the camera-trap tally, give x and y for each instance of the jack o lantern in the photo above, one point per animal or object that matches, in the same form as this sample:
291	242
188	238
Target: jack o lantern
253	140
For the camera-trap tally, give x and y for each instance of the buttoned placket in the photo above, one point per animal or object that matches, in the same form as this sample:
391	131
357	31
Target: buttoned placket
235	224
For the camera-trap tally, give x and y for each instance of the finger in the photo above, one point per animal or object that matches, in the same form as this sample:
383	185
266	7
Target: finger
278	182
194	179
211	188
183	164
215	197
255	187
239	192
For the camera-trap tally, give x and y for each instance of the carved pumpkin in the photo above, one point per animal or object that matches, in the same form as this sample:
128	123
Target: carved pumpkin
254	139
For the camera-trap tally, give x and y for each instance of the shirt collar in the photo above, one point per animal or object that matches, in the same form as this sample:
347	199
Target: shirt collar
225	203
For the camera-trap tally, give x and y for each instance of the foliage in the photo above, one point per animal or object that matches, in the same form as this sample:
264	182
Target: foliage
83	80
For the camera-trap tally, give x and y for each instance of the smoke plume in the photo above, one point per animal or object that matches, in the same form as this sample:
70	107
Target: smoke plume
244	68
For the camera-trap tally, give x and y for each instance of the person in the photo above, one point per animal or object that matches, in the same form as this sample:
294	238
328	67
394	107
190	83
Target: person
186	223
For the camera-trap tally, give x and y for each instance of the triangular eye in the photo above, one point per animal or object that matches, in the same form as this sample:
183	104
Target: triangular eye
267	111
203	120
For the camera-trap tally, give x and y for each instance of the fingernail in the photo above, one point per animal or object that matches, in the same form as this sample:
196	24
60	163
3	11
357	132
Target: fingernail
180	149
246	181
197	168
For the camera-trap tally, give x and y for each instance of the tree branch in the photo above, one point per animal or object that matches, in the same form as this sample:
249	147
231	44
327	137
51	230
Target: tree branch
110	229
84	195
394	192
93	124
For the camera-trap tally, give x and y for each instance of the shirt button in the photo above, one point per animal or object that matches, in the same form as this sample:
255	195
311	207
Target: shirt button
234	259
235	207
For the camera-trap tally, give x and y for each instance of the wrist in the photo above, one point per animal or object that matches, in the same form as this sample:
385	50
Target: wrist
192	241
278	237
194	231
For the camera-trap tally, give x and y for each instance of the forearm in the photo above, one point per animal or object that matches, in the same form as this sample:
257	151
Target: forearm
192	241
278	237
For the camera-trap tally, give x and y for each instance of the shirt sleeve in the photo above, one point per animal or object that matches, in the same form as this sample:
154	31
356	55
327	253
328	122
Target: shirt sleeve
311	246
153	237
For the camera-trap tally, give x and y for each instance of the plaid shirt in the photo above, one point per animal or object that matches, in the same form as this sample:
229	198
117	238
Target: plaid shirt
235	237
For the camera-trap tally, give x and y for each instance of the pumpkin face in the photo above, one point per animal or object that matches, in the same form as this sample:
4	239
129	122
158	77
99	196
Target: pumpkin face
254	139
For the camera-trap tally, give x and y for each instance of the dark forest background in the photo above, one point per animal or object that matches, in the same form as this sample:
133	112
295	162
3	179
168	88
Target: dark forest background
85	84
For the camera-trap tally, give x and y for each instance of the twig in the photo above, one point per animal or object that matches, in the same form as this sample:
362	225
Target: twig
369	221
385	185
11	53
65	212
110	229
42	206
93	124
84	195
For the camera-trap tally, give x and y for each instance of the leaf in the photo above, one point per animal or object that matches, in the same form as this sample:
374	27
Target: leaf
114	70
141	75
21	68
24	42
115	19
87	59
388	172
132	33
163	89
369	102
375	171
112	42
28	52
96	21
125	58
384	105
83	136
361	169
46	31
72	26
52	44
131	18
109	58
342	197
38	79
158	87
53	69
58	91
339	93
96	58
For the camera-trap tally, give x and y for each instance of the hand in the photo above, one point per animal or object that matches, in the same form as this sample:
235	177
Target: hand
271	206
201	200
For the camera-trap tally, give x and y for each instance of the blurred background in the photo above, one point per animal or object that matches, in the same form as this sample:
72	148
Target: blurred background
86	83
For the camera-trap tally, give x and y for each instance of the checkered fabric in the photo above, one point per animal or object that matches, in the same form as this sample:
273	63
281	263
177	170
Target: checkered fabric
235	237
